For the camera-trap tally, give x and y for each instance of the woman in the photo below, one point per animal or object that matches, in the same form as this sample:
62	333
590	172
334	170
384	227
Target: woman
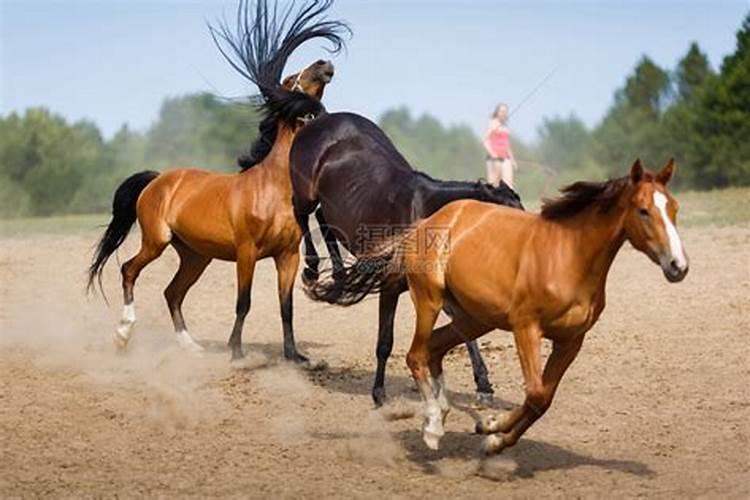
500	160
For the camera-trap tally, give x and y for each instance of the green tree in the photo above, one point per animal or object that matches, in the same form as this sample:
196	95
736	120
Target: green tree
681	121
200	130
48	158
724	119
452	152
692	71
632	127
123	155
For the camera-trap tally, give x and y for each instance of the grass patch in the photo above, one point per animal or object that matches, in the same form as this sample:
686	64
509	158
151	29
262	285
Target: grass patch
56	225
725	207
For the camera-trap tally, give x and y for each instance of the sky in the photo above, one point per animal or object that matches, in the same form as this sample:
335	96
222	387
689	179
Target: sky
114	61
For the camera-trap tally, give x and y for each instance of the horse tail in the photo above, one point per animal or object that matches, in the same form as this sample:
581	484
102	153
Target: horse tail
365	275
258	48
123	217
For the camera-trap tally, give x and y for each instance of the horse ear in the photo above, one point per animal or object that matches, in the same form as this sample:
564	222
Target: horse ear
666	173
636	171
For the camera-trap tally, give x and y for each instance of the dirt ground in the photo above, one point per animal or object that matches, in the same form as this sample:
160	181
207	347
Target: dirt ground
657	404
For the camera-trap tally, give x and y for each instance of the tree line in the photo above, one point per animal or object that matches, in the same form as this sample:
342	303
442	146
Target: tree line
692	112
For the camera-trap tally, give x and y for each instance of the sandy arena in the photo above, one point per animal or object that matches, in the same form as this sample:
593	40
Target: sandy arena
657	404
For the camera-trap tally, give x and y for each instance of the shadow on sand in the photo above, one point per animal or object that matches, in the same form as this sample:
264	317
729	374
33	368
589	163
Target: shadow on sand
527	457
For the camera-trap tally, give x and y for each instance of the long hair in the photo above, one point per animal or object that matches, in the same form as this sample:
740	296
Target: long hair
258	48
367	274
579	196
123	217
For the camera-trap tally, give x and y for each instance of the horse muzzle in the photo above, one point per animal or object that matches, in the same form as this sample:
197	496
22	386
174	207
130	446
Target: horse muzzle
673	271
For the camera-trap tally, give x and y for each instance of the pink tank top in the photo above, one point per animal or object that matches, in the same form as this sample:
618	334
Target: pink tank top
500	143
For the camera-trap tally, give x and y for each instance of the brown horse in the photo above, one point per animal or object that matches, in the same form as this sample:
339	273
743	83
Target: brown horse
539	276
240	217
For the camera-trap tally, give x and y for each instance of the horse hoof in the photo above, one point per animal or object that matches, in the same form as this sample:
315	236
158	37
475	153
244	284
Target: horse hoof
307	363
315	366
487	425
492	445
186	342
378	396
485	399
309	277
120	341
432	440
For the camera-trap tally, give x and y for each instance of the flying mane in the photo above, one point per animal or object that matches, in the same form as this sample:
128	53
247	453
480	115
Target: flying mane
577	197
258	49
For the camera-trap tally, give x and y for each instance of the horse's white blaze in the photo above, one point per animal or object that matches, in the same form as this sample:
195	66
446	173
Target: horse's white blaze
675	244
187	342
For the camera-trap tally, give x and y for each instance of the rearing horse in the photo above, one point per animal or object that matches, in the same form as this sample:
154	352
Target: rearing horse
539	276
240	217
347	166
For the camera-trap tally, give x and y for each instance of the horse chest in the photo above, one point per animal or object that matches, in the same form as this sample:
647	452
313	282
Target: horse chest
577	317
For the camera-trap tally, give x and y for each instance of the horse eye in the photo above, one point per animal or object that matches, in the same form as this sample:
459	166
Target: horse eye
643	212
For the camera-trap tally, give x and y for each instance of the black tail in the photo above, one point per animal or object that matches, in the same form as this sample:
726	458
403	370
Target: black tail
367	274
123	218
258	48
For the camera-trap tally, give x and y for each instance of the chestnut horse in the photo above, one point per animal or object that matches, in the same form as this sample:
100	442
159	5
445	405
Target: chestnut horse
539	276
363	188
240	217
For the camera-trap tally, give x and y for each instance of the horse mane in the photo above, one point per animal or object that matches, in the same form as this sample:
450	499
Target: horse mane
258	48
579	196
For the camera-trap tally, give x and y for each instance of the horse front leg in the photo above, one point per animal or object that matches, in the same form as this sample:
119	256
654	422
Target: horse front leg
246	258
540	389
287	265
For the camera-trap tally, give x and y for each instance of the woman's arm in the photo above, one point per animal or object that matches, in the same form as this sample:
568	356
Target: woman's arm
486	141
511	156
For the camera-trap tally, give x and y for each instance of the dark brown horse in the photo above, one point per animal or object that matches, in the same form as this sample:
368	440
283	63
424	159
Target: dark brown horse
240	217
366	190
539	276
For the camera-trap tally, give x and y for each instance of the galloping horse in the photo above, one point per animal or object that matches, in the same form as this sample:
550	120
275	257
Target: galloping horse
365	188
540	276
236	217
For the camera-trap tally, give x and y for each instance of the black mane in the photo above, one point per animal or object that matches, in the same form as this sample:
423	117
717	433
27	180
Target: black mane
580	195
258	49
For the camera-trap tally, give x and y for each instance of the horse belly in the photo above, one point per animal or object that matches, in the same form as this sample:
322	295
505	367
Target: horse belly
213	239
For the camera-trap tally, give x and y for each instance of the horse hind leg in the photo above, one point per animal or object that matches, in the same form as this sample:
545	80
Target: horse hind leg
151	248
462	329
337	263
191	268
388	301
302	212
485	392
428	303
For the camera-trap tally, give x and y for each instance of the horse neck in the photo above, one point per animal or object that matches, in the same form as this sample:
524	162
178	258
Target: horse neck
433	194
277	161
598	238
